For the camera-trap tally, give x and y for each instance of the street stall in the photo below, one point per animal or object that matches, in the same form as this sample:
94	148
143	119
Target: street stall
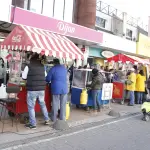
126	62
80	95
19	43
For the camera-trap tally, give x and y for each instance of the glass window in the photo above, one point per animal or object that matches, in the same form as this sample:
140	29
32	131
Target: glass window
59	9
68	10
20	3
79	78
36	6
15	66
129	33
48	8
100	22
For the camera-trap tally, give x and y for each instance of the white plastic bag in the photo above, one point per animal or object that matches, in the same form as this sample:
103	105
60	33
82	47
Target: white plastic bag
3	93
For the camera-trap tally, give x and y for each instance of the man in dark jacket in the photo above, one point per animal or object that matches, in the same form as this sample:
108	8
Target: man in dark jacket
96	86
35	76
57	76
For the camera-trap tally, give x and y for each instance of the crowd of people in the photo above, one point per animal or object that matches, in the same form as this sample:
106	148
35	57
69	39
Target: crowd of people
137	87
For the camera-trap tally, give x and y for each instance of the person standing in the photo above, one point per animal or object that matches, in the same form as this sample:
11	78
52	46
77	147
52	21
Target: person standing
140	86
57	76
34	73
121	75
2	72
131	83
96	87
70	71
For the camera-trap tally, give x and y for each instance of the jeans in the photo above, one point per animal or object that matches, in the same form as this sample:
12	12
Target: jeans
59	100
140	97
95	95
132	97
32	96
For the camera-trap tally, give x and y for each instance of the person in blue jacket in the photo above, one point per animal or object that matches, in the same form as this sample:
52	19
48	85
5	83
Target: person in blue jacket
57	76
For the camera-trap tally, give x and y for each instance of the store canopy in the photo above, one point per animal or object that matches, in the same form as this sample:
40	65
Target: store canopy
43	42
127	58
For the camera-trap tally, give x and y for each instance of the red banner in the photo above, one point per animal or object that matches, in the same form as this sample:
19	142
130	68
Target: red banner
118	90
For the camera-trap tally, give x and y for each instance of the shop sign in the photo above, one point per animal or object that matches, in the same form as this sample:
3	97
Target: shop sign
65	28
107	91
107	54
56	26
143	45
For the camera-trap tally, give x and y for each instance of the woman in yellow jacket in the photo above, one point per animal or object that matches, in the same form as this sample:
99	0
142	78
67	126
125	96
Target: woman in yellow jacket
131	86
140	86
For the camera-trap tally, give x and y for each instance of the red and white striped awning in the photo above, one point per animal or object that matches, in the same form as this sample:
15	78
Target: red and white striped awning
43	42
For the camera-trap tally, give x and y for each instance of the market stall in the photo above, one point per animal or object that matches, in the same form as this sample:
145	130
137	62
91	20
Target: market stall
127	62
81	77
24	39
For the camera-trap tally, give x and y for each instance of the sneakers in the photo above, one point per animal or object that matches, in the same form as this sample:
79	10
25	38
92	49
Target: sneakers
34	127
47	122
29	126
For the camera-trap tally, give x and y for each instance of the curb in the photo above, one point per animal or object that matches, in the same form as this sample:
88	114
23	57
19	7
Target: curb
16	144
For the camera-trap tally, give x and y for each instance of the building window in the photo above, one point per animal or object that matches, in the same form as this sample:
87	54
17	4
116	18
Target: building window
59	9
129	33
36	6
48	8
20	3
68	10
100	22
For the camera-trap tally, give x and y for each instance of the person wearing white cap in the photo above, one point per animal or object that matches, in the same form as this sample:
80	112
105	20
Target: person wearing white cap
131	83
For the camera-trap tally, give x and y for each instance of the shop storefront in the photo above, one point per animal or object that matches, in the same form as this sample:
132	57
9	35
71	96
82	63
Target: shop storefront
98	55
143	45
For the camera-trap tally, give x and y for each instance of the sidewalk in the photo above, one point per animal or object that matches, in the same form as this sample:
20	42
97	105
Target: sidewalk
78	117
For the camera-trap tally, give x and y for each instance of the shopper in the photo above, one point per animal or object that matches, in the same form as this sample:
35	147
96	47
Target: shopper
131	83
2	72
140	86
34	73
96	87
120	75
57	76
71	70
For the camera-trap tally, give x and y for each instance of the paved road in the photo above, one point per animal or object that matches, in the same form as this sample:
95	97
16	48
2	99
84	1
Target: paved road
130	134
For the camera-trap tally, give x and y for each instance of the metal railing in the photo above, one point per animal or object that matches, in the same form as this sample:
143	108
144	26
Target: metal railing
113	12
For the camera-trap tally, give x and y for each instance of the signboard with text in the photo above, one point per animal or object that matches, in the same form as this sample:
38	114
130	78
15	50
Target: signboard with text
56	26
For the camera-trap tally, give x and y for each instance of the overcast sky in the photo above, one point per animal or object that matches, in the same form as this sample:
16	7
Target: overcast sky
136	8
